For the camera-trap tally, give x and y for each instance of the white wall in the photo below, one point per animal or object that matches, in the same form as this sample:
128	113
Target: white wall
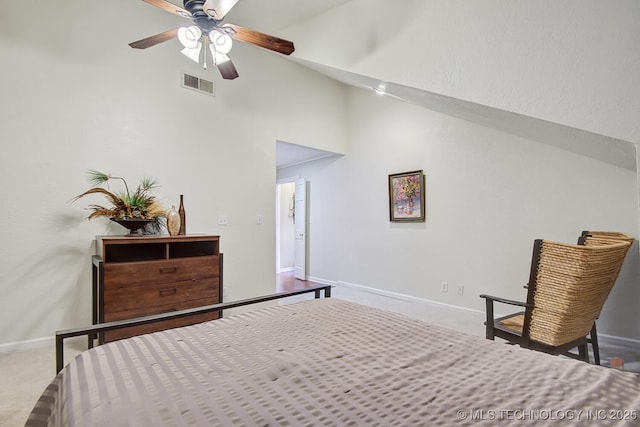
489	194
572	62
75	96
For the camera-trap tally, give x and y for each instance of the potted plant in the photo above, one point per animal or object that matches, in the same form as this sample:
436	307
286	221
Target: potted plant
133	210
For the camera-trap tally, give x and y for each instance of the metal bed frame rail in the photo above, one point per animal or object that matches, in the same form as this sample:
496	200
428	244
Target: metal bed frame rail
110	326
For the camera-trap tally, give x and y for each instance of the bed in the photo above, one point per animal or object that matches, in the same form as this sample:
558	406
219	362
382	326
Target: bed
329	362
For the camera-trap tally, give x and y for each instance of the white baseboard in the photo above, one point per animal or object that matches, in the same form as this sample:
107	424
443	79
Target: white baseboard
321	281
609	339
27	345
286	269
403	297
620	341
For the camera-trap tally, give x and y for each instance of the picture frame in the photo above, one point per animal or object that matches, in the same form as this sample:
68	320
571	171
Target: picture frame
406	197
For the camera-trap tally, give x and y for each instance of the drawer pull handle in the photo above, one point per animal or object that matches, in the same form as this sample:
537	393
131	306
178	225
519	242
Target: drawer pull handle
166	292
168	269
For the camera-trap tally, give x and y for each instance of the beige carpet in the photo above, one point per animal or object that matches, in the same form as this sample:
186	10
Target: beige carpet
23	377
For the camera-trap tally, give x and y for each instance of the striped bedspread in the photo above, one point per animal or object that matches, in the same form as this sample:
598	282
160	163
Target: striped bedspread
334	363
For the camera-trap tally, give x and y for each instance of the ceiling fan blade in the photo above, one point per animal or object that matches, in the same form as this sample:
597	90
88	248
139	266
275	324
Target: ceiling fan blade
217	9
154	40
169	7
227	70
260	39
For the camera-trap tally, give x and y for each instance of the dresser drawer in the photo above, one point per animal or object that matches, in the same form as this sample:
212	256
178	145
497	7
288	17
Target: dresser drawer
158	326
160	294
133	274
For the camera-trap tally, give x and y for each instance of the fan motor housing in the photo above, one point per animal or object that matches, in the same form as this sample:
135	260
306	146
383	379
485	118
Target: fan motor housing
199	16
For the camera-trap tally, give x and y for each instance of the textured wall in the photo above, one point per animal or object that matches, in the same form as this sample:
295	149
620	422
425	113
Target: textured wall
489	194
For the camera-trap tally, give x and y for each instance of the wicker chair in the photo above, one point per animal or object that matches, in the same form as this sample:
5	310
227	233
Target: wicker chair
568	285
600	238
603	238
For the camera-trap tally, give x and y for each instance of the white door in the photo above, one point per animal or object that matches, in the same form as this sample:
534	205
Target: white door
300	220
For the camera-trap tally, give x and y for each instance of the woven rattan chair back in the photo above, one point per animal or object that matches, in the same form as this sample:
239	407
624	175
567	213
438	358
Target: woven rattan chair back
600	238
604	237
568	287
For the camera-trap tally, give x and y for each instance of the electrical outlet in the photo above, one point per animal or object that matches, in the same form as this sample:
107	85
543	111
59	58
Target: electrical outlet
222	220
445	287
260	220
460	290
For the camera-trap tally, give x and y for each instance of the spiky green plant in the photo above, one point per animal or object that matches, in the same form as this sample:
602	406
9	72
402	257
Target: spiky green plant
140	204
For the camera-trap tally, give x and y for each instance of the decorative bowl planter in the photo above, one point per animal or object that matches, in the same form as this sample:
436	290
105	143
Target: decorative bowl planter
134	225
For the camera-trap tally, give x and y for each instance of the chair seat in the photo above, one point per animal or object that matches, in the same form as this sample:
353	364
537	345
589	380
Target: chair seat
512	323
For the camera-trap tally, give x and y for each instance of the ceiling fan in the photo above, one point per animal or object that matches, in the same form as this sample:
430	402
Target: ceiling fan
212	33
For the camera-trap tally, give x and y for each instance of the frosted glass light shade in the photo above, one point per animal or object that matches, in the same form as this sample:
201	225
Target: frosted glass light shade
193	53
189	36
218	58
221	42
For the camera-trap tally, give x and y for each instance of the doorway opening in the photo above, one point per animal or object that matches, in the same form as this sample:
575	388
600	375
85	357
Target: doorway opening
285	226
291	233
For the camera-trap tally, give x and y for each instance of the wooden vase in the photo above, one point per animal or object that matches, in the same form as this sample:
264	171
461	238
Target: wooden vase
183	218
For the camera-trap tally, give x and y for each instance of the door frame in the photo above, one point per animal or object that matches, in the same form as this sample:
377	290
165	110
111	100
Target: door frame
301	228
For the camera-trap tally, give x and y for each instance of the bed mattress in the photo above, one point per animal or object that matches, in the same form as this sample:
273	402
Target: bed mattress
329	362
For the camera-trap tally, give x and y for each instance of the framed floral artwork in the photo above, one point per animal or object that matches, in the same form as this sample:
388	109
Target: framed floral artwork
406	197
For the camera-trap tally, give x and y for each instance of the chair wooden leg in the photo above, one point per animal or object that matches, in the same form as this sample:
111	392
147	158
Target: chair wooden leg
593	339
583	351
489	332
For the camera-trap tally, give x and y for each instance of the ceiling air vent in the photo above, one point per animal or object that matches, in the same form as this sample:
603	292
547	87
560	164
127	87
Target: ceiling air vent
198	84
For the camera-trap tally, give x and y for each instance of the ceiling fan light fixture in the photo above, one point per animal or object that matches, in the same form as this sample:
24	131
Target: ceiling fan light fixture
193	53
218	58
190	36
221	42
207	15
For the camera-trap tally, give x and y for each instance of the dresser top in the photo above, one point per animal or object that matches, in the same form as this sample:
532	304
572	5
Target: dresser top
145	248
125	240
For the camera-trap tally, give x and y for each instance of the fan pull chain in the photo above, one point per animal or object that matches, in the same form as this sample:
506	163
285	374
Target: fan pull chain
214	57
206	47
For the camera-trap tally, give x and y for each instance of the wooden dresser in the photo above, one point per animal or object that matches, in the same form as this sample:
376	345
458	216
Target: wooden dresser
141	276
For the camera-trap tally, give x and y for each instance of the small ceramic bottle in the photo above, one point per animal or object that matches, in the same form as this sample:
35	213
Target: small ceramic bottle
173	221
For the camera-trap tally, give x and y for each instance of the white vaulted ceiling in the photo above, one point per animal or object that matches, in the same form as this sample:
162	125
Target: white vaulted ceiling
273	15
569	84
